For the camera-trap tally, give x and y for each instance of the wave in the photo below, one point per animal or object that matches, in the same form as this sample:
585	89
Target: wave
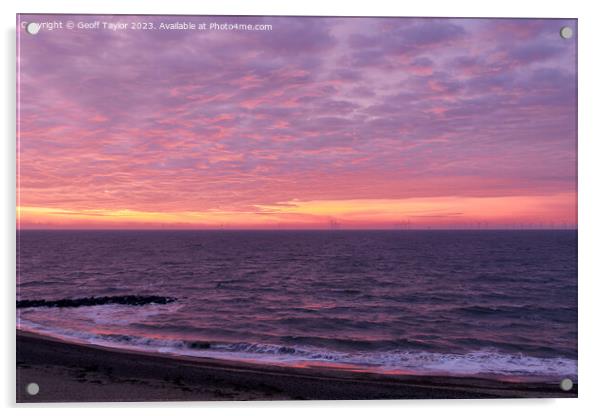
133	300
522	310
484	362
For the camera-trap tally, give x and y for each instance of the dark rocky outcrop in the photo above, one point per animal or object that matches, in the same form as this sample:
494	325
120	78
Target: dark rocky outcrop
92	301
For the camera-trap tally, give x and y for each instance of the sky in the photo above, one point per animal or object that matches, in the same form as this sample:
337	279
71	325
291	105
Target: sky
381	123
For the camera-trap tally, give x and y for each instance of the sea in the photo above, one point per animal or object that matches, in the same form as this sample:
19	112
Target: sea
496	304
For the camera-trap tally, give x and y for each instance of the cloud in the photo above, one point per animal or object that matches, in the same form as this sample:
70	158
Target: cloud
317	109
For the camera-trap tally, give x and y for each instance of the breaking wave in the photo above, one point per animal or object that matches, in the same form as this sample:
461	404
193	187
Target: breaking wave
486	362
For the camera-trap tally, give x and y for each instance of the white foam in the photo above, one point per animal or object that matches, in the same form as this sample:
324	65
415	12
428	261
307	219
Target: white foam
482	362
124	314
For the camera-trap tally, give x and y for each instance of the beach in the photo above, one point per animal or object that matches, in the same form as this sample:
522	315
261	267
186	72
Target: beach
68	372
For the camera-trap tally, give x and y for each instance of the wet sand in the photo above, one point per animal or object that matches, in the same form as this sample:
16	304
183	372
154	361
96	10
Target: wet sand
69	372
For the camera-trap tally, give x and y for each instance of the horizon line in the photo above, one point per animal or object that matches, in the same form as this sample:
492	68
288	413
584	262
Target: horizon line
303	229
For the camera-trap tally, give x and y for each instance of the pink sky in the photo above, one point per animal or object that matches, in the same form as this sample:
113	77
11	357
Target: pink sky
369	123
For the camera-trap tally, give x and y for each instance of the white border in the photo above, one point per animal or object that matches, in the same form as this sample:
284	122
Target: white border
590	202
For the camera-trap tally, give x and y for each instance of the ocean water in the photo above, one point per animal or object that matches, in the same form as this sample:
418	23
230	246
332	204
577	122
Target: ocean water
500	304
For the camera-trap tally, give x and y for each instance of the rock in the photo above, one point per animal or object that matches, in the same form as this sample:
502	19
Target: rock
93	301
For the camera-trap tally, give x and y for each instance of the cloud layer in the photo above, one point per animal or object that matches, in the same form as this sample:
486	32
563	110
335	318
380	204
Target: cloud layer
204	128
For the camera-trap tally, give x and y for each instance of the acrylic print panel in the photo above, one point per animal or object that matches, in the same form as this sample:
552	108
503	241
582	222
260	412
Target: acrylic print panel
275	208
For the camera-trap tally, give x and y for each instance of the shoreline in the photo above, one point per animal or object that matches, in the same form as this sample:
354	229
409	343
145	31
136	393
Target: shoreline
70	372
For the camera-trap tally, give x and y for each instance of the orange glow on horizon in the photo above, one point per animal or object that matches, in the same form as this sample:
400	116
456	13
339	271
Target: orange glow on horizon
550	211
